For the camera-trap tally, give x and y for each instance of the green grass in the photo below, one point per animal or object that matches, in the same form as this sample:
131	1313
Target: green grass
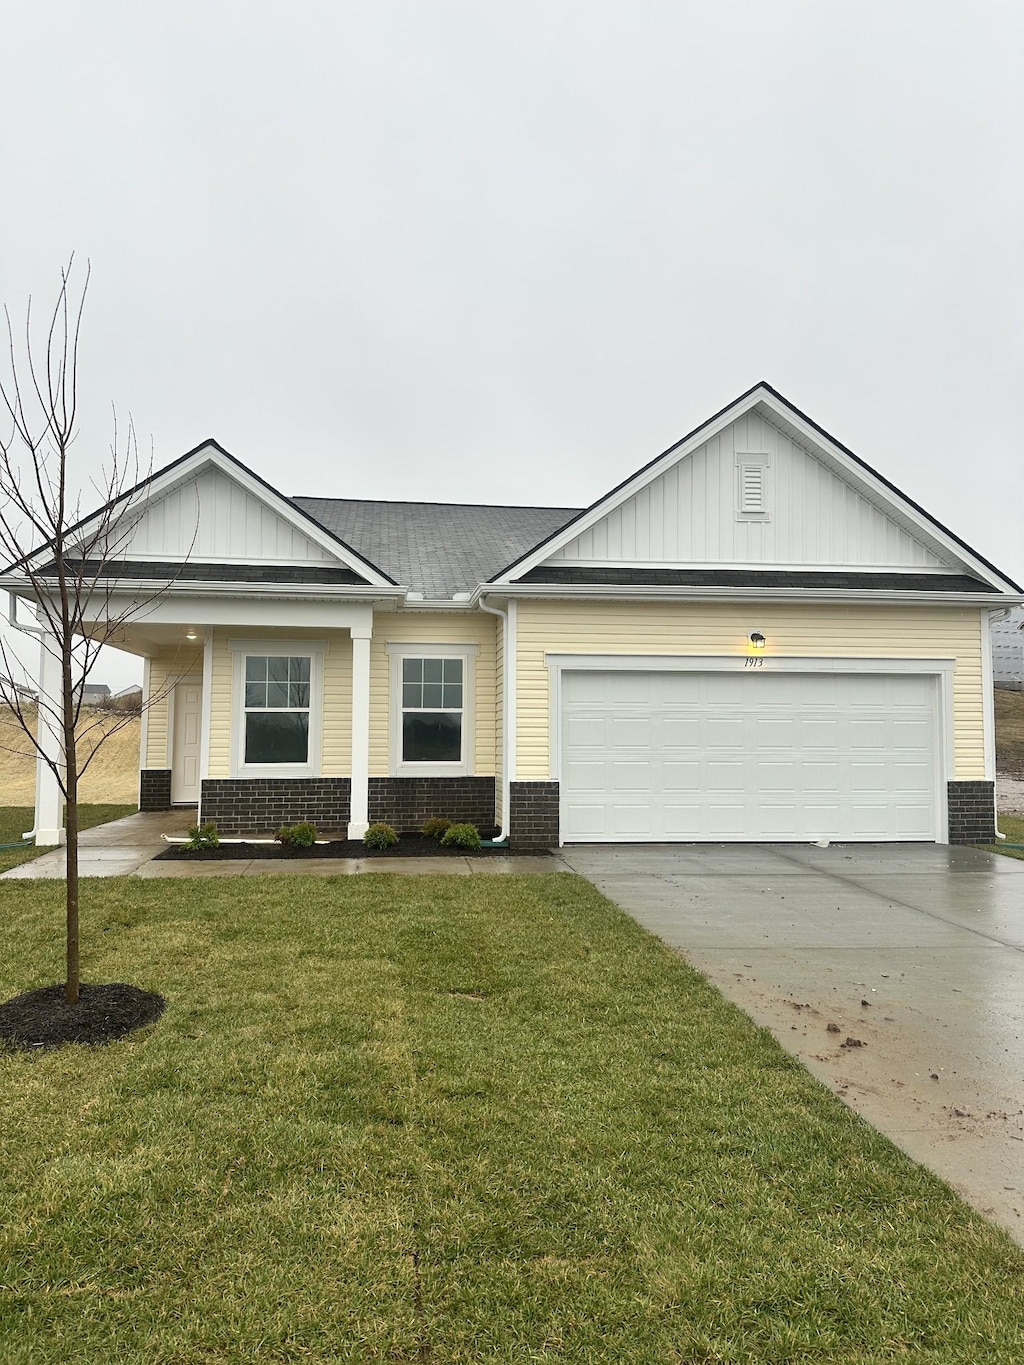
15	820
449	1119
1013	827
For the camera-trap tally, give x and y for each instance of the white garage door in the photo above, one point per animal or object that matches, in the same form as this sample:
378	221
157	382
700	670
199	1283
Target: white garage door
748	756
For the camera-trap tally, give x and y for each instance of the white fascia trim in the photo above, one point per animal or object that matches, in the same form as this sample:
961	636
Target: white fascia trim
397	650
753	593
299	592
316	649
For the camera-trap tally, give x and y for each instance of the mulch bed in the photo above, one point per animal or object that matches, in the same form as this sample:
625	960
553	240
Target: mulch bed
408	846
43	1019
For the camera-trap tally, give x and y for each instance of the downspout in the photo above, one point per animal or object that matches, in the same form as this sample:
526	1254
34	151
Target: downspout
15	624
508	690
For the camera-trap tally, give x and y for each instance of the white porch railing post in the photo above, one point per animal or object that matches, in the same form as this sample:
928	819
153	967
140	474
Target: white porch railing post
49	821
360	797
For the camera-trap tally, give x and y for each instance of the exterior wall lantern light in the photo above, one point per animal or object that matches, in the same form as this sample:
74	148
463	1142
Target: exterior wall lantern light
757	640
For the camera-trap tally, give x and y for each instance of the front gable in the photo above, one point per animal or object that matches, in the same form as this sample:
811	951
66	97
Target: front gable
752	496
758	487
210	517
207	514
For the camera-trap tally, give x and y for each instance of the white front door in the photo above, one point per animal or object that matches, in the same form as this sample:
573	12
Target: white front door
715	756
188	721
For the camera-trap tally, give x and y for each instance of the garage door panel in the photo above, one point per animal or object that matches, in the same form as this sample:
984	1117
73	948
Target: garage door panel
746	756
680	777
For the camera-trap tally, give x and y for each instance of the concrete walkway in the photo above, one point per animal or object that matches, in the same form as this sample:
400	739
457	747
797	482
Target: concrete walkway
895	973
128	847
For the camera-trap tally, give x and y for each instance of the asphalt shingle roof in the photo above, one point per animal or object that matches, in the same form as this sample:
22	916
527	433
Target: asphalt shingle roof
436	548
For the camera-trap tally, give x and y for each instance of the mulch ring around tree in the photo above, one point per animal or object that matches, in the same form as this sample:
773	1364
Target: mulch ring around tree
408	846
43	1019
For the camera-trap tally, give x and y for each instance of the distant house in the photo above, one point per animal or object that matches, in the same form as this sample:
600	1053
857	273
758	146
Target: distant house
7	687
95	694
1008	651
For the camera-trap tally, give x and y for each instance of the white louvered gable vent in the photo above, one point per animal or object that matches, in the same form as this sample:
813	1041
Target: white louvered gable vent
752	486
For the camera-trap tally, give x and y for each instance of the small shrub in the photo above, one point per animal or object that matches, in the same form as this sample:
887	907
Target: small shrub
203	836
302	835
436	827
461	836
380	836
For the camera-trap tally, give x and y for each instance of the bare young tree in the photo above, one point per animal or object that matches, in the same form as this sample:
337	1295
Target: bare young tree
67	566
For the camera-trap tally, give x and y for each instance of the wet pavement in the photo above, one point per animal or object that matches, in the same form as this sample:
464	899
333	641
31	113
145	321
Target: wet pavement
895	973
128	847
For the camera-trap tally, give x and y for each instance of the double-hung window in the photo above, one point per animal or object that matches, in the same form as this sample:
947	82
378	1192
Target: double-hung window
432	709
277	690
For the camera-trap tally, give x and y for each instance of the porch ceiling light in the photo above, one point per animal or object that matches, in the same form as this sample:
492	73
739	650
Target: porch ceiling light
757	640
191	635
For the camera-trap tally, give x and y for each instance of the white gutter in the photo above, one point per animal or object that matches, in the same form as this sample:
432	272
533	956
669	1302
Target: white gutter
638	593
508	708
988	702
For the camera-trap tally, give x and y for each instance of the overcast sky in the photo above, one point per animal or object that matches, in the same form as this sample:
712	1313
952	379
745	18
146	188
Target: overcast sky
465	251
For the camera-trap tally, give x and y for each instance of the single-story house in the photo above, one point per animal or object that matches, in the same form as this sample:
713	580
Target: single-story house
756	636
95	694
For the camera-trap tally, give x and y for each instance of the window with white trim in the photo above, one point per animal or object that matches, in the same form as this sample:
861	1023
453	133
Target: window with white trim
276	707
276	715
432	709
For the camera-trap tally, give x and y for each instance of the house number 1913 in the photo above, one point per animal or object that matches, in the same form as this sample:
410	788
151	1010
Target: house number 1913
753	661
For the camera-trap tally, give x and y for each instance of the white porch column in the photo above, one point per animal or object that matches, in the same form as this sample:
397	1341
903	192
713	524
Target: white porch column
360	801
49	822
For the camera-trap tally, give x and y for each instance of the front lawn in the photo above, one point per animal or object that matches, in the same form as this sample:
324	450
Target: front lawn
15	820
449	1119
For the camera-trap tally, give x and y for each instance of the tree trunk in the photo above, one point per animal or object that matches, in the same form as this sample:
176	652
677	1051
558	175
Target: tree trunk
71	824
71	833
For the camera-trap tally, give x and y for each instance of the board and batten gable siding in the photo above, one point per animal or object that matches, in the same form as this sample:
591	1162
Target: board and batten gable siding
434	628
688	515
336	733
821	630
164	669
211	517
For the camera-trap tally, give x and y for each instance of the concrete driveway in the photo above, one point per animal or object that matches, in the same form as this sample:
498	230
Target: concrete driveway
895	972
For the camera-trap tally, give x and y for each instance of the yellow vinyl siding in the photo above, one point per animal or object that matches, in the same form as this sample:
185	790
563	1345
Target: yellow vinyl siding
815	630
336	745
433	628
336	733
165	669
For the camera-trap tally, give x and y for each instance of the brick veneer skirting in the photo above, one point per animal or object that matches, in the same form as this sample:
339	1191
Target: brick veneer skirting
533	814
972	813
406	802
261	805
155	789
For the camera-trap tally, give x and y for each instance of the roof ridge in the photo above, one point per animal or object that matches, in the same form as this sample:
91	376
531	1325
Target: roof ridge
423	502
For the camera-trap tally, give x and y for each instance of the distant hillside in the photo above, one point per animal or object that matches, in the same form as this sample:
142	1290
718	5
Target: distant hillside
1010	732
112	776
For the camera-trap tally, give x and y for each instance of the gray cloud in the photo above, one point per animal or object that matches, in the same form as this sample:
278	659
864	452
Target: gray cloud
484	252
